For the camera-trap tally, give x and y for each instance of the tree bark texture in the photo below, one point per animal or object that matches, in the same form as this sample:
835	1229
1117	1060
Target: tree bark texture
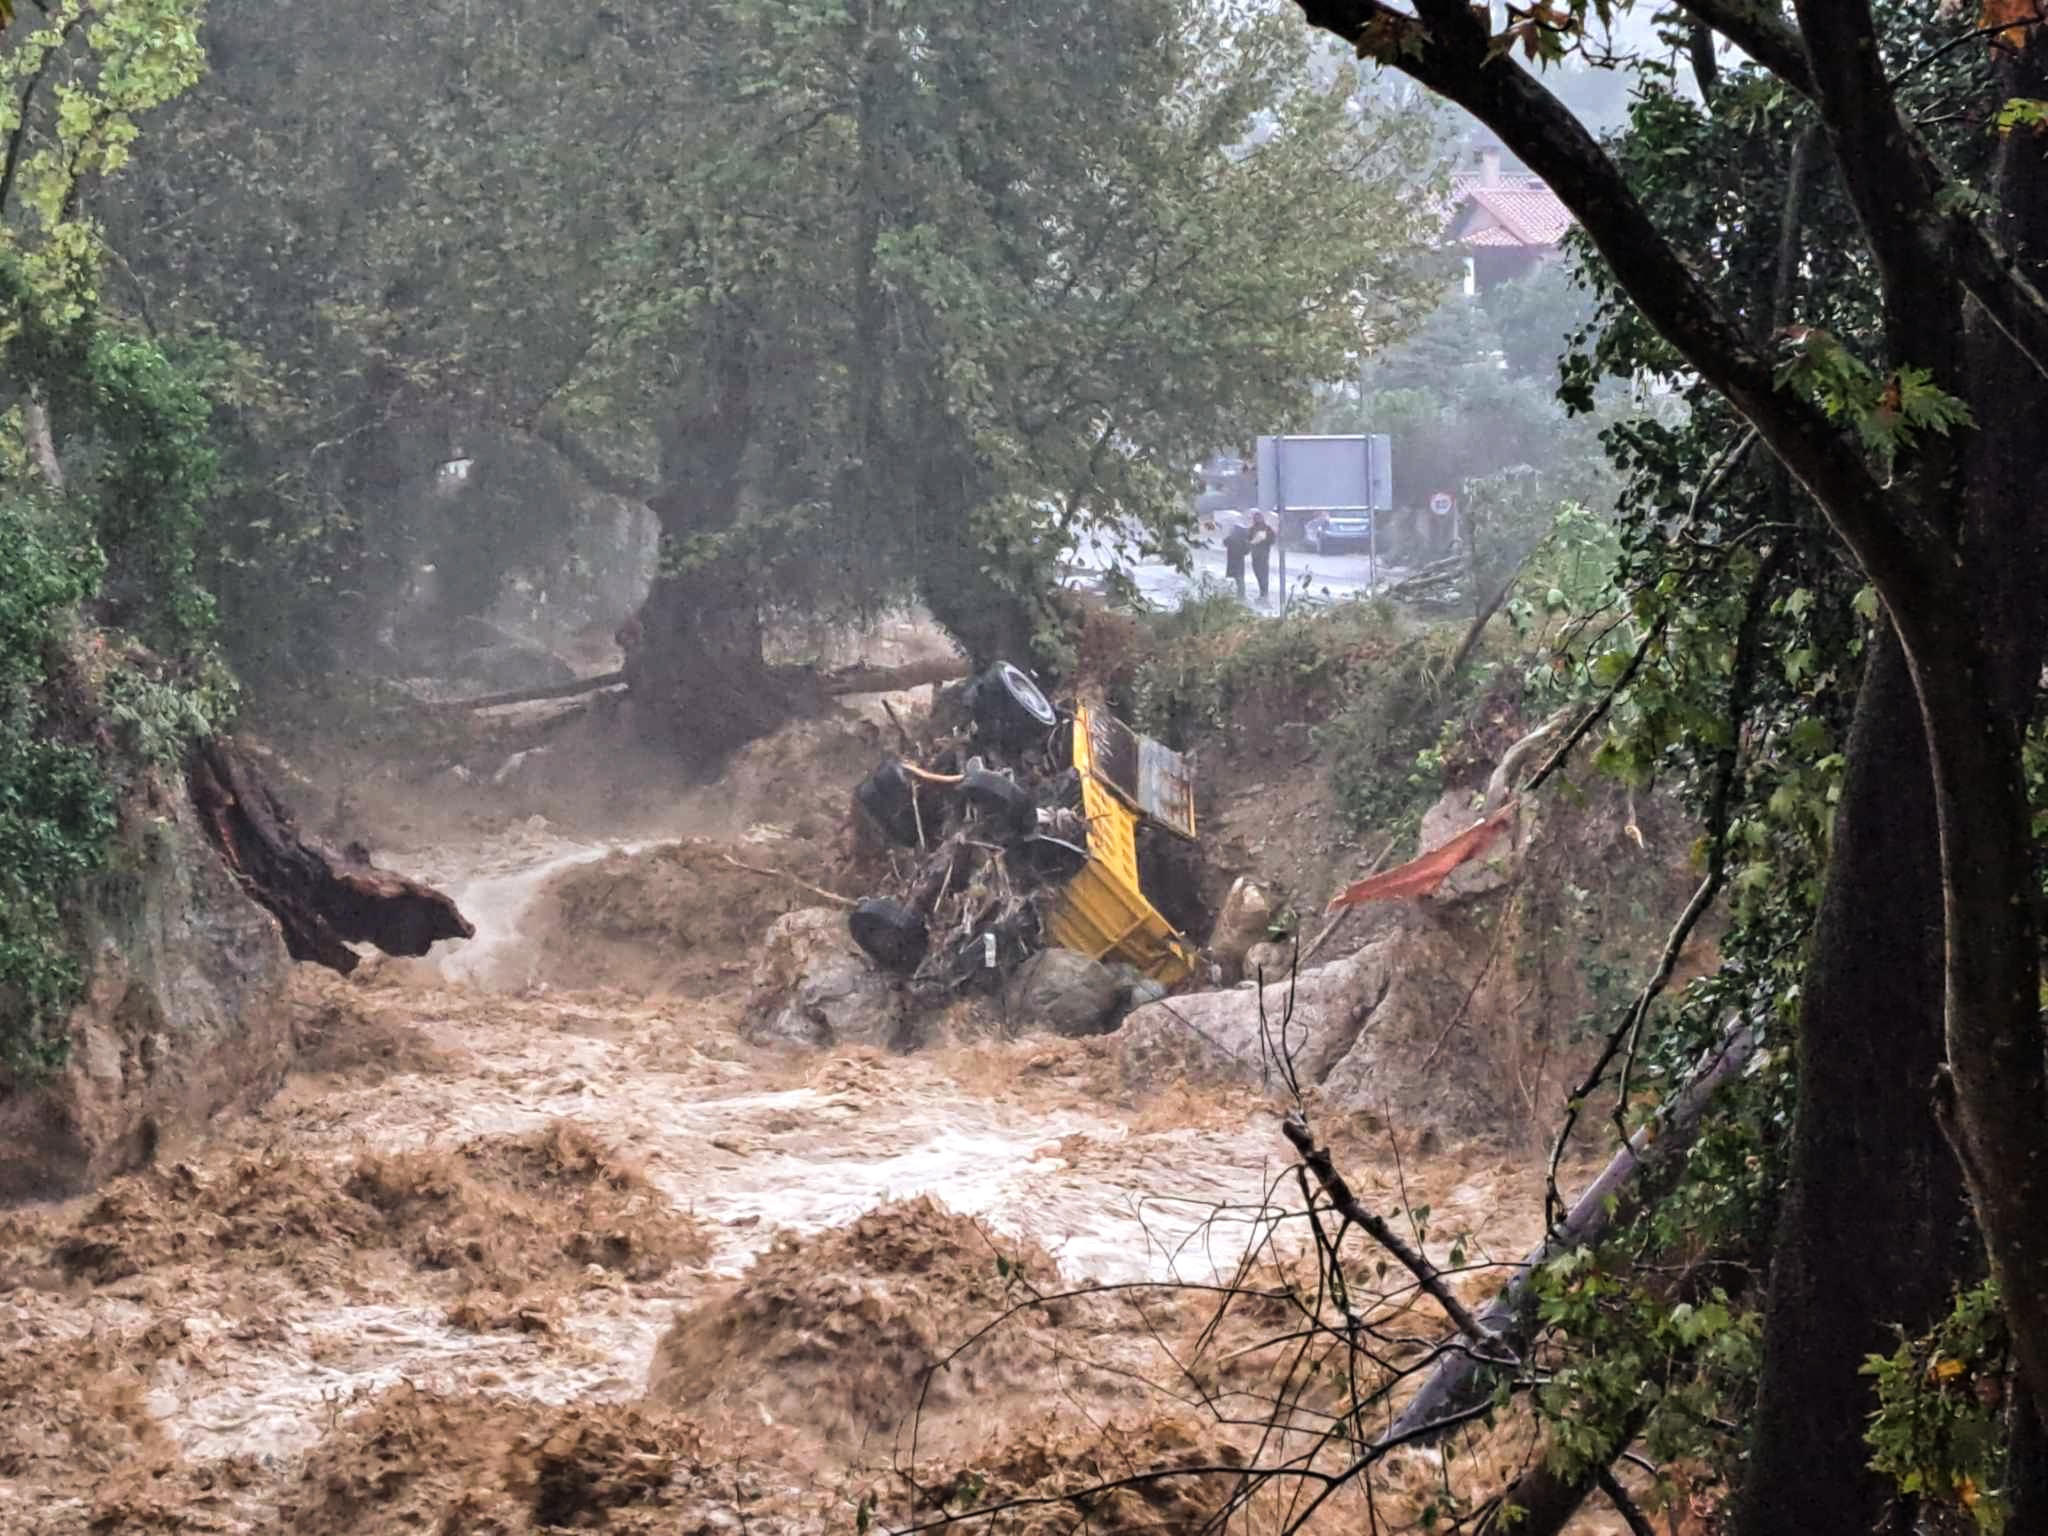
700	683
2000	1077
323	900
1872	1230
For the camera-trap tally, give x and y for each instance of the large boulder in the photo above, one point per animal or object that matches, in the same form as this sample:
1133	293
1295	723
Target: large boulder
814	987
1466	1012
184	1013
1066	992
1247	915
1249	1034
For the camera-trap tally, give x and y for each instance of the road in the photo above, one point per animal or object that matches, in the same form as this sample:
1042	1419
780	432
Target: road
1320	578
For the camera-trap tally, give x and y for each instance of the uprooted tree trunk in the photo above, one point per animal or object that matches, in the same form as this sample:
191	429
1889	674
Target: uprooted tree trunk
323	900
1620	1190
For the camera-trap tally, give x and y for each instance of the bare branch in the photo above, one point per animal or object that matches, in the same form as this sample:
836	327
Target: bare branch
1348	1205
803	885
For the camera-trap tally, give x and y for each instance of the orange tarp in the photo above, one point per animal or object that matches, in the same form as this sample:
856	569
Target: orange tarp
1418	877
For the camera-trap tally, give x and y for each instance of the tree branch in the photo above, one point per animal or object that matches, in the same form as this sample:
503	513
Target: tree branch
1348	1205
1990	273
1902	552
1892	188
1631	1513
1760	31
42	446
1706	69
17	141
613	482
1609	1198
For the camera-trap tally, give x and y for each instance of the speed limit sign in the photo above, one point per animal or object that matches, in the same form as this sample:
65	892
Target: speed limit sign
1440	503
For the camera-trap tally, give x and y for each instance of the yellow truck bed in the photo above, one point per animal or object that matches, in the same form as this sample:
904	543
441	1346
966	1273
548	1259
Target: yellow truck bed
1102	912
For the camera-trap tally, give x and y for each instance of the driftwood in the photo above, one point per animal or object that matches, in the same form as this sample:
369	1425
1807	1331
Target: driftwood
833	685
803	885
323	900
1438	573
893	679
575	688
1459	1382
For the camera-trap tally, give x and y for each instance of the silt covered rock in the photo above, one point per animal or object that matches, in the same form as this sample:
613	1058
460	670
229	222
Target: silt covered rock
1067	993
814	987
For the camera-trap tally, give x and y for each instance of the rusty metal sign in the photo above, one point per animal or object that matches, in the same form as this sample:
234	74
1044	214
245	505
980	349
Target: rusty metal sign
1151	778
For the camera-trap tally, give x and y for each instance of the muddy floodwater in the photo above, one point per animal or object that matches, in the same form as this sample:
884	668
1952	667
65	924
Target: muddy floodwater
456	1242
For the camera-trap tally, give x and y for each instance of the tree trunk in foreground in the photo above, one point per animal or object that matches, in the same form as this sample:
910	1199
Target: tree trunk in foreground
700	683
1872	1231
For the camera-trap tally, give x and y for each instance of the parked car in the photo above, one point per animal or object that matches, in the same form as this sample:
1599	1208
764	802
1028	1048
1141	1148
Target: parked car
1330	533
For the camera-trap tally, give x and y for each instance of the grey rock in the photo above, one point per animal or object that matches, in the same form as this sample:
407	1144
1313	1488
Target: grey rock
1064	991
815	988
1247	913
184	1014
1248	1033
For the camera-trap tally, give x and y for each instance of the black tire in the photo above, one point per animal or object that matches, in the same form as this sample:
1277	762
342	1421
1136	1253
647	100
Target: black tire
884	796
893	936
1010	710
1002	801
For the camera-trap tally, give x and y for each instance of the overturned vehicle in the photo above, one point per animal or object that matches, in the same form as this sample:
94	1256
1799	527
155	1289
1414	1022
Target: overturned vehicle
1026	829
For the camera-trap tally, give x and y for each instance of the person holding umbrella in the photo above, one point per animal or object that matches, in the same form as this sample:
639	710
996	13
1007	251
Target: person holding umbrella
1259	545
1235	542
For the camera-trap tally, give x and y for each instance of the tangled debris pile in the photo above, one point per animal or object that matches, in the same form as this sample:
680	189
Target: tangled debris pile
1017	832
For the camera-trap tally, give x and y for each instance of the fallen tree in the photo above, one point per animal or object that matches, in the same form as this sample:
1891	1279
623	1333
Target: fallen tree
1460	1381
840	684
323	900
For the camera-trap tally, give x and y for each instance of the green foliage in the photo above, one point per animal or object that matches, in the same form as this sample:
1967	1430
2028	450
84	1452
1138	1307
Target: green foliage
1383	741
2022	112
1939	1431
982	289
56	804
1208	663
1643	614
81	104
128	433
1888	413
1375	689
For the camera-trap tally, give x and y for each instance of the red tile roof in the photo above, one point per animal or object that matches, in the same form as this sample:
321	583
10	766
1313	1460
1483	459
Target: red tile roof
1528	214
